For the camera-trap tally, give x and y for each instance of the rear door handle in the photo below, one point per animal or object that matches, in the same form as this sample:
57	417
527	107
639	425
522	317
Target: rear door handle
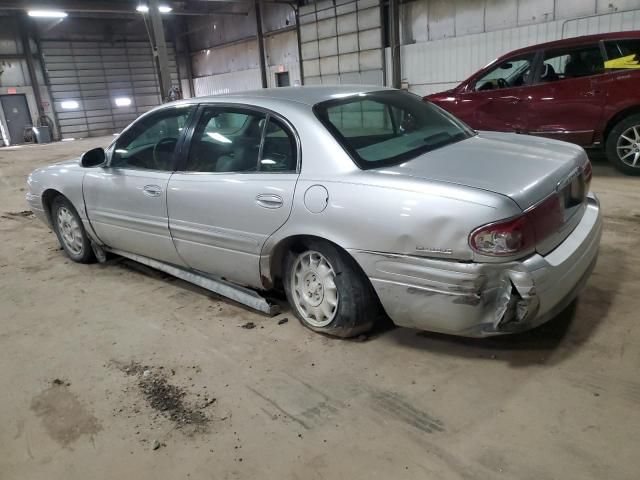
152	190
269	200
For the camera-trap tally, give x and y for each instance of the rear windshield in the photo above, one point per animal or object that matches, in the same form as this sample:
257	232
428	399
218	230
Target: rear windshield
388	127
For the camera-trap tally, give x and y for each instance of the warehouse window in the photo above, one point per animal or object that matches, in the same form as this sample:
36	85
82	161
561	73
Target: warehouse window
387	127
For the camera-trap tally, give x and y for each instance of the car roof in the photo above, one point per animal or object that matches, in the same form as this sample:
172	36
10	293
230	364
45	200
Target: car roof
310	95
569	42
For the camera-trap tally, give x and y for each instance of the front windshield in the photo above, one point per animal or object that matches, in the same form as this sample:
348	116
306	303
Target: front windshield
390	126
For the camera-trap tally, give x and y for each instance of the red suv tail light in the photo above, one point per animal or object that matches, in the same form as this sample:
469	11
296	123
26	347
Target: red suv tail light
520	234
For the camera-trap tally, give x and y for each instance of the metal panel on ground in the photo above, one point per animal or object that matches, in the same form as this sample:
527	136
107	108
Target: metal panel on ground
87	77
342	42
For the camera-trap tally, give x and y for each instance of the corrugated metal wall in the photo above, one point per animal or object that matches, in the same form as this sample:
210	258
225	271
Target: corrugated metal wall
455	39
94	74
227	82
281	50
342	42
228	68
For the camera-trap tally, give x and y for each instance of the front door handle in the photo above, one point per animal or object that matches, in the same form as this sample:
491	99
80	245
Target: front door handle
152	190
269	200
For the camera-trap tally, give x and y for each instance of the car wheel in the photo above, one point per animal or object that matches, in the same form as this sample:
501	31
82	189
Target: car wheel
70	231
328	292
623	145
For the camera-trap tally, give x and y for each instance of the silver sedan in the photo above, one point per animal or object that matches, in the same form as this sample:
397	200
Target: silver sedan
356	201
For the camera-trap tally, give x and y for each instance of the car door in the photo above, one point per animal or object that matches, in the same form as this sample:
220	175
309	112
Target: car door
126	200
566	100
234	189
497	99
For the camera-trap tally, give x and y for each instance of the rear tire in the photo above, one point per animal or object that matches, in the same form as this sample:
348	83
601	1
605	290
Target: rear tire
328	291
70	231
623	145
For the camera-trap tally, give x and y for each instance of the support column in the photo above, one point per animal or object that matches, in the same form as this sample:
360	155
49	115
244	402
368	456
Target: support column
296	9
160	50
28	54
394	34
260	38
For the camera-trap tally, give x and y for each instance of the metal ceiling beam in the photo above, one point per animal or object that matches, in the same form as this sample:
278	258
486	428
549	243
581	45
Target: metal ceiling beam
75	6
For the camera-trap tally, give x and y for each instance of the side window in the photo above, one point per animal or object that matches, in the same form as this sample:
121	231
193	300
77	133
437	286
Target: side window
571	63
279	152
622	54
226	140
510	73
151	141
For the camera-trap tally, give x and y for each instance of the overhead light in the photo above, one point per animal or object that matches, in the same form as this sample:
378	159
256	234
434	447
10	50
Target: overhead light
47	13
69	104
142	8
123	102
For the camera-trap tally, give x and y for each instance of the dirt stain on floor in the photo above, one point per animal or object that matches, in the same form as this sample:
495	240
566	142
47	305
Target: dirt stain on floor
170	399
64	417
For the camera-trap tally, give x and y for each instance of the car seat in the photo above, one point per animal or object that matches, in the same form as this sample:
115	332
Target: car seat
548	73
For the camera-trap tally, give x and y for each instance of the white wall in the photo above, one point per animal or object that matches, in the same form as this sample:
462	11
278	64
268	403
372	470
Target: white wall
281	50
451	40
236	67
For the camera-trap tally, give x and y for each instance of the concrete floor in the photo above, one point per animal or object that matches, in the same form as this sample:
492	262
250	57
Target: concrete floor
560	402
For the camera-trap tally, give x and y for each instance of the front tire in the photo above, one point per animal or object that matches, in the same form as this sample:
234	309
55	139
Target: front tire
328	292
623	145
70	231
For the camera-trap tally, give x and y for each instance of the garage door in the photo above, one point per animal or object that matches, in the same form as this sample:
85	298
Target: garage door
342	42
98	88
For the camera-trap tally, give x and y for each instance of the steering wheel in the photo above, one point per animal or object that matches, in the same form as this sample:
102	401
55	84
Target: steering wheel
157	150
502	83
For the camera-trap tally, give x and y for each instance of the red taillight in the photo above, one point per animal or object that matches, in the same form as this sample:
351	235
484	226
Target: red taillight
503	238
518	235
587	172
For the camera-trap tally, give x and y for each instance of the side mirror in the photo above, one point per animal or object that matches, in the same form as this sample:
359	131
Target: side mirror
93	158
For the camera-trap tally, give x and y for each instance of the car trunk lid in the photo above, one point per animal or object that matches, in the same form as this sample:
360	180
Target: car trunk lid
526	169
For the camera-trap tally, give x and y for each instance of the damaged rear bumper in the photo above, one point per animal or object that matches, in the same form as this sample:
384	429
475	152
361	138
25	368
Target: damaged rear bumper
483	299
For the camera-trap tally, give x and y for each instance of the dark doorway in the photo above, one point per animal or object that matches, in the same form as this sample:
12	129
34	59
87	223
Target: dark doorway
282	79
16	113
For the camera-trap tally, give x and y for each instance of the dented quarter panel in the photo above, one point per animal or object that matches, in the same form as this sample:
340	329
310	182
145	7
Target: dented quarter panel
470	298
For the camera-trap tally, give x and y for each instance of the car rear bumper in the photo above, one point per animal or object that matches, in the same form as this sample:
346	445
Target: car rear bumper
484	299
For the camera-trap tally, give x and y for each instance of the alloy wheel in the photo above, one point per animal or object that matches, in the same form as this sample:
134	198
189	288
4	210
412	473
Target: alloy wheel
70	231
314	289
628	146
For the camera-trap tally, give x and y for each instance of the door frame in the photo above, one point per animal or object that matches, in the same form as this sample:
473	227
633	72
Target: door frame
4	115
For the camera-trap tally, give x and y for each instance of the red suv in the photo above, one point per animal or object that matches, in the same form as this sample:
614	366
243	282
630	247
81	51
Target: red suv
584	90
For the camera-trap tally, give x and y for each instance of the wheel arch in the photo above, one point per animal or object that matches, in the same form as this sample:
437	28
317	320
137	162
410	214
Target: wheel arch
273	263
48	196
615	119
